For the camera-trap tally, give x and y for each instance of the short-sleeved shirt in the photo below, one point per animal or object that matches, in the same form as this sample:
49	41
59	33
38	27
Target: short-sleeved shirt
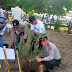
17	13
2	21
38	28
21	28
51	52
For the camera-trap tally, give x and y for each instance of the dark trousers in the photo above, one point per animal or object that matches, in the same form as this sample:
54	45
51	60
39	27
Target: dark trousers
18	38
46	26
33	41
51	63
1	41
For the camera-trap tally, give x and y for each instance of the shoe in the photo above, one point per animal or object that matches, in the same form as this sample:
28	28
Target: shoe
46	71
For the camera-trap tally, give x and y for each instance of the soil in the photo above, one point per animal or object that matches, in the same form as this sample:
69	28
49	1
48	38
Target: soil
63	41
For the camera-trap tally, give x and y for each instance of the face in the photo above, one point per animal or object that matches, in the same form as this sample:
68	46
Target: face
34	22
16	27
44	41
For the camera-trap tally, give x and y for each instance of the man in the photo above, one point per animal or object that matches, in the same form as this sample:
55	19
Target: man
47	20
17	13
6	14
51	55
3	23
1	11
18	29
37	31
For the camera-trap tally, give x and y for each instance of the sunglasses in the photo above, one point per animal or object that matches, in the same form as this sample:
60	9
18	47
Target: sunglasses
43	40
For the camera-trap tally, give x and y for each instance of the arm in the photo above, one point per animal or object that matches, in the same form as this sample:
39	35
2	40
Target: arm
2	24
32	32
50	57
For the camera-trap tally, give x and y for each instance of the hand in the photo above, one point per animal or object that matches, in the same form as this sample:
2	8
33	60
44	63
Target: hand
23	41
29	60
39	59
12	43
37	42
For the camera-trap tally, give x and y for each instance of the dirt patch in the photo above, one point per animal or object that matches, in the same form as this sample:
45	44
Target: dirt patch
62	40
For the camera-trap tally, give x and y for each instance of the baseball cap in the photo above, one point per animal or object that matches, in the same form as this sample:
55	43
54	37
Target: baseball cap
31	18
15	22
0	6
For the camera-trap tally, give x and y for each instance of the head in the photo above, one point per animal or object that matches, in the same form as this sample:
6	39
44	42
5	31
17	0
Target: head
24	18
15	24
33	19
44	41
5	9
17	5
0	6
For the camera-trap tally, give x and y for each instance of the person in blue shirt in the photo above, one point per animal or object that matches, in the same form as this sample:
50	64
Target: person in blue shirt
3	23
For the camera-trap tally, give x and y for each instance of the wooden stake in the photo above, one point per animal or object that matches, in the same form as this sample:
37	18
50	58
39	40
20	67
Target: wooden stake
0	65
41	68
6	59
18	61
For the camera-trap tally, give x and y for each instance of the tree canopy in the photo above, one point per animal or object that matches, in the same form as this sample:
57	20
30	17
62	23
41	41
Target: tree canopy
40	6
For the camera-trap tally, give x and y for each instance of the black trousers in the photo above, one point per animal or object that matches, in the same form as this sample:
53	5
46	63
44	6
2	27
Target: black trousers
51	63
18	38
33	41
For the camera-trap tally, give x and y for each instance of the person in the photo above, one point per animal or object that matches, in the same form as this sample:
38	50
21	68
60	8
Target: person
50	56
6	14
1	12
18	29
69	26
24	20
47	19
17	13
37	31
3	23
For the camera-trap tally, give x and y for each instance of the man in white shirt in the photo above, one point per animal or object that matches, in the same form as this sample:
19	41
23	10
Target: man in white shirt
17	13
51	55
37	31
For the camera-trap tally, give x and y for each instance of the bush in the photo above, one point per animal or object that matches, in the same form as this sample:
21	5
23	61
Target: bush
57	25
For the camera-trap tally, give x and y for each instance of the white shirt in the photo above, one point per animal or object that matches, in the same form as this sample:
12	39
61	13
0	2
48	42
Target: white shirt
52	52
38	28
48	21
1	13
17	13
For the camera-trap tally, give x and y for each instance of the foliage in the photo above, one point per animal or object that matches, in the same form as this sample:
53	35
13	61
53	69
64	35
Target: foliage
57	25
41	6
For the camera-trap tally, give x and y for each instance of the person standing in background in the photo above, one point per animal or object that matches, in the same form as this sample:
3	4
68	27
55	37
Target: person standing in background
1	12
17	13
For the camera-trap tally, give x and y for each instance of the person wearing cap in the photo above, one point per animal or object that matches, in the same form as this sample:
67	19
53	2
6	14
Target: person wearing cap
3	23
37	31
1	12
50	55
17	13
18	29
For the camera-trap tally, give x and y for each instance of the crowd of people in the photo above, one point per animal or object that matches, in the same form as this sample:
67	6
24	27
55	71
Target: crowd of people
38	34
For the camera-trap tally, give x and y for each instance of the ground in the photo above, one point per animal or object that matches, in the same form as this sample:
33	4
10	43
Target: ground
63	41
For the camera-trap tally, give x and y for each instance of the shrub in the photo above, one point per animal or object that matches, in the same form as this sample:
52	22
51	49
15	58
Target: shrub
57	25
